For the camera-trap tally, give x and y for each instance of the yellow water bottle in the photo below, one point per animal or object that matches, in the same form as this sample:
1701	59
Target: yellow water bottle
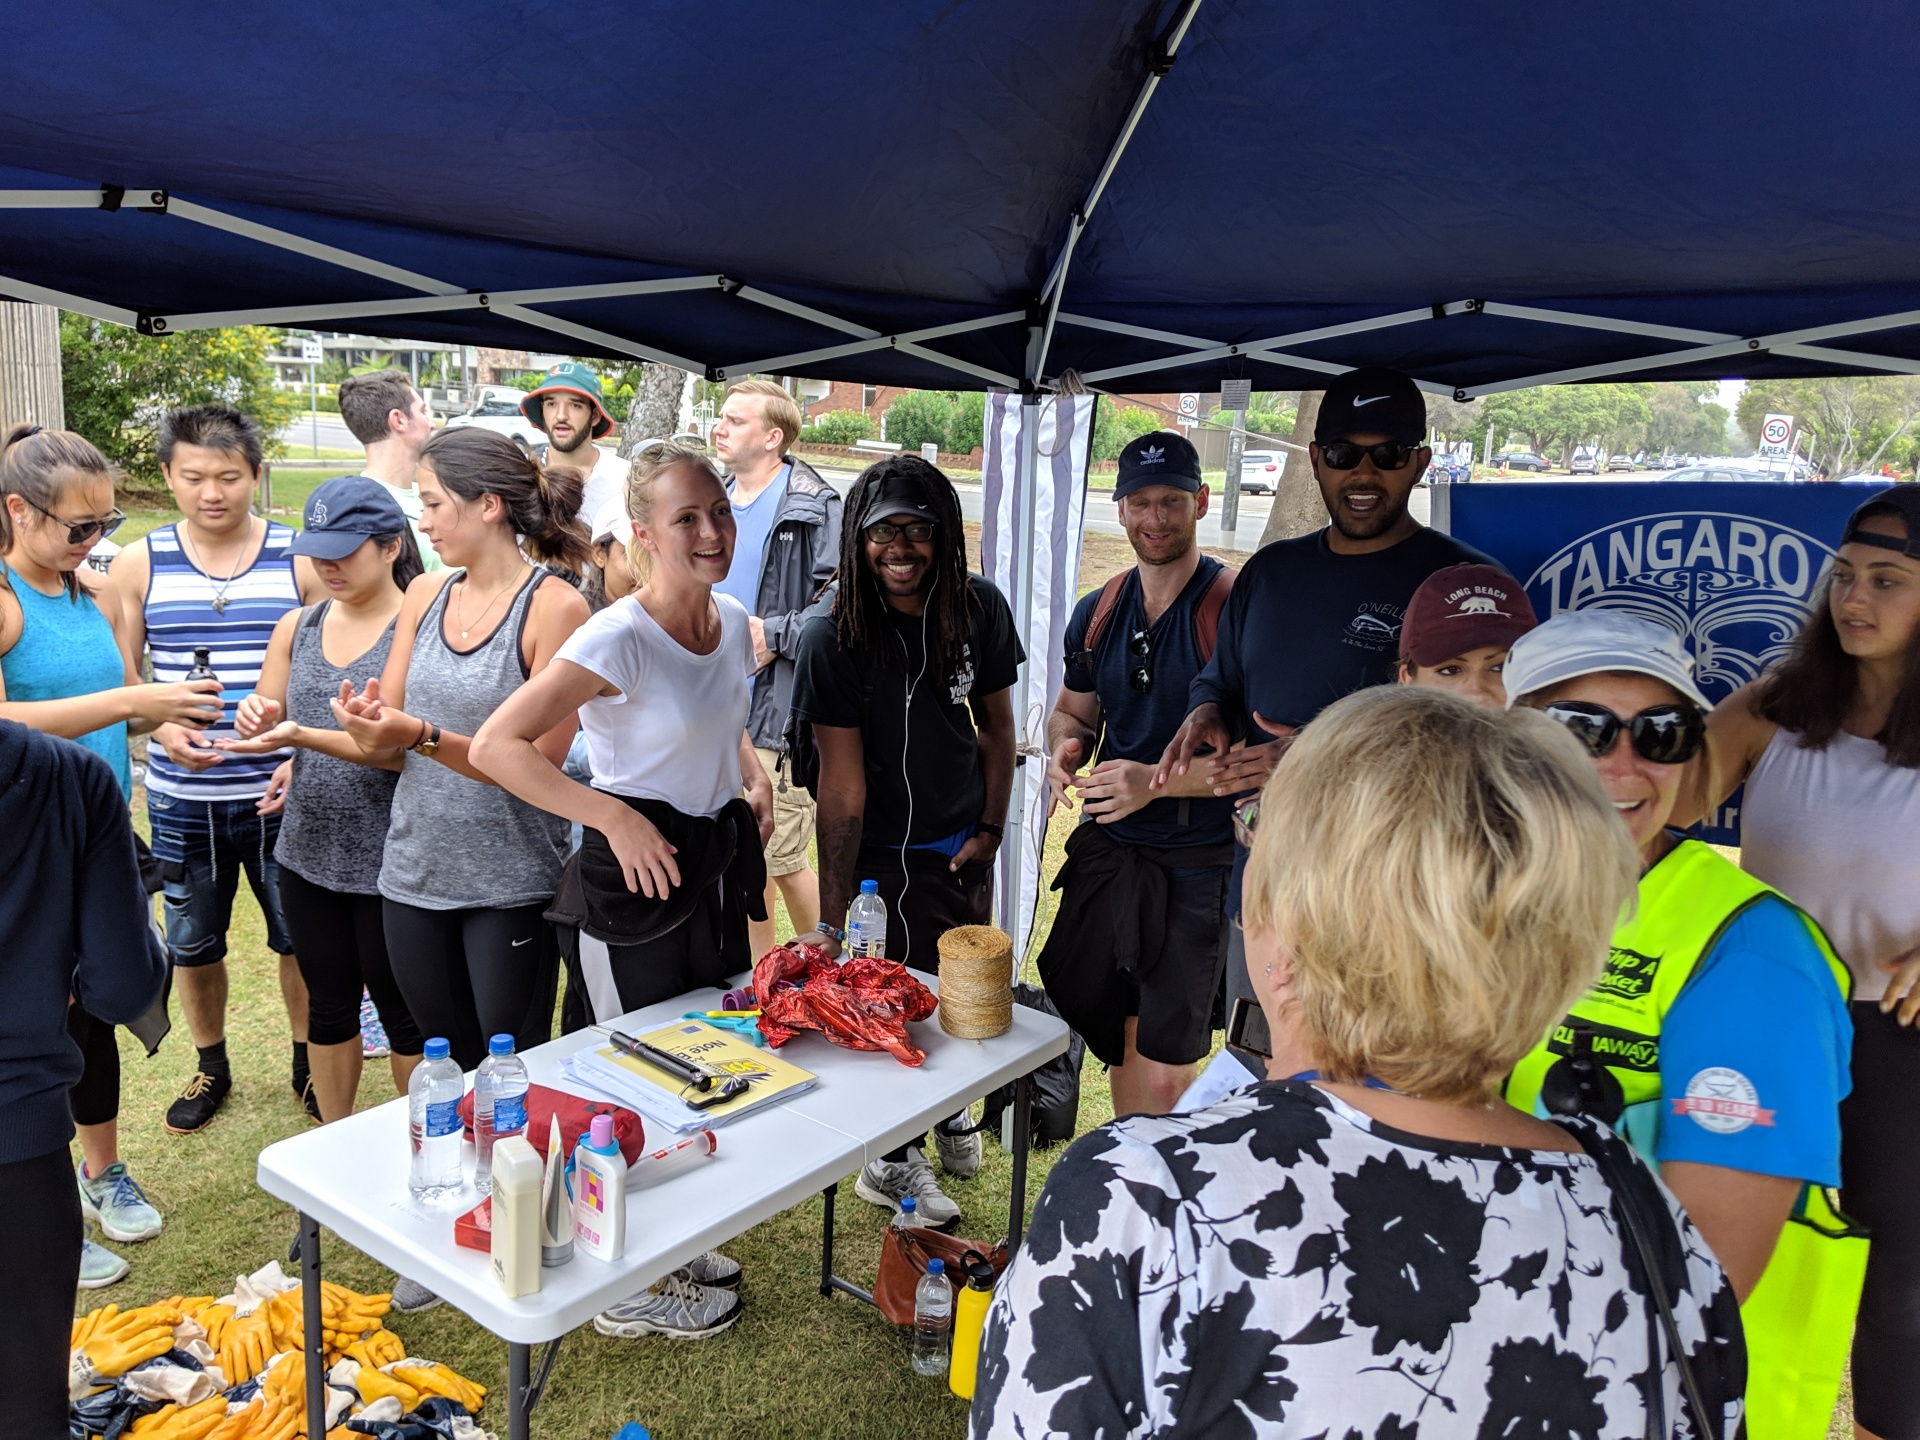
969	1319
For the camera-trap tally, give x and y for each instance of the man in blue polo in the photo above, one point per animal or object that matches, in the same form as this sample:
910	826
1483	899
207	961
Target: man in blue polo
1315	618
571	407
1134	959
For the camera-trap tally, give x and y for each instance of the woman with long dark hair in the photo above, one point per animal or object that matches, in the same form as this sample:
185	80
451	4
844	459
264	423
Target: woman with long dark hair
1828	745
339	802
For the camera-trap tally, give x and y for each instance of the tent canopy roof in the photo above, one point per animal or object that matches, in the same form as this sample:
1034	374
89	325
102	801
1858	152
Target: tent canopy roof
1483	195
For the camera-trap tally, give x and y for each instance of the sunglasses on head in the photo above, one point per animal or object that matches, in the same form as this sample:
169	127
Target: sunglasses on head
79	532
1246	821
882	532
1662	734
1140	673
1387	455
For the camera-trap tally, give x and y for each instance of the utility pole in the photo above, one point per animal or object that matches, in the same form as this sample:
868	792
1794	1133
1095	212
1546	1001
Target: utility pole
30	367
1235	396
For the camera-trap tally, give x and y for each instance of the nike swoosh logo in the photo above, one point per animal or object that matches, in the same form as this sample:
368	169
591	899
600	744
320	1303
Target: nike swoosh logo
1358	403
518	943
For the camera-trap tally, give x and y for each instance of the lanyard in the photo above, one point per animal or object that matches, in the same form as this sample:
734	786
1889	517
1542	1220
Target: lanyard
1371	1083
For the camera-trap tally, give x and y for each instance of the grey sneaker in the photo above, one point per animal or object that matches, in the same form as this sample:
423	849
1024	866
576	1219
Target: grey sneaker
100	1267
884	1182
713	1270
410	1297
675	1307
960	1155
115	1200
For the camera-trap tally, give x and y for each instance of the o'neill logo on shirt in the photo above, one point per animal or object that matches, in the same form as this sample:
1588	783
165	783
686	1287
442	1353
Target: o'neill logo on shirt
1723	1101
1375	626
1736	589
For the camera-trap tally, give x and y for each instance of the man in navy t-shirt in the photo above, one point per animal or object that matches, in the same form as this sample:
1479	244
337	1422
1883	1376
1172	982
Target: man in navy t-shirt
1134	959
1318	617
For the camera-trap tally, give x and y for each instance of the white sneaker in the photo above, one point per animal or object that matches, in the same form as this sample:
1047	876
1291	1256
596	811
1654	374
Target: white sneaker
675	1307
960	1155
885	1182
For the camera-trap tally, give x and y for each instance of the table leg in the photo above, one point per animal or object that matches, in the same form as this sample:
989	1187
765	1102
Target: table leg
1022	1139
524	1388
316	1340
830	1282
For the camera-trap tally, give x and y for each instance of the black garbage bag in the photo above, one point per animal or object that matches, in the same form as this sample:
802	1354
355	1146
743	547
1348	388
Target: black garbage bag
1056	1087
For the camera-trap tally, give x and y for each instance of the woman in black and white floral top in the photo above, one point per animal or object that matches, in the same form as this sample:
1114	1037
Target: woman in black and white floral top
1378	1247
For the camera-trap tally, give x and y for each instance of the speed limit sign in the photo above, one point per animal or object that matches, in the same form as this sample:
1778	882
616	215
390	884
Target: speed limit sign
1189	405
1775	430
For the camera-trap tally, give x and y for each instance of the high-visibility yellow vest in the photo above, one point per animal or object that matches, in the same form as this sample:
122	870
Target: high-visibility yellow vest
1799	1318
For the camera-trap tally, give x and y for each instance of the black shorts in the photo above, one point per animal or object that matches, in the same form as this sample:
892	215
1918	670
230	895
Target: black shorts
1139	933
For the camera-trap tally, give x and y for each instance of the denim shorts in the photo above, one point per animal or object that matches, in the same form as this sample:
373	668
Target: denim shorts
203	846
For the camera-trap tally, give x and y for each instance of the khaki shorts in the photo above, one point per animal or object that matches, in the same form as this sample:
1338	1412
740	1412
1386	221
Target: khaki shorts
792	820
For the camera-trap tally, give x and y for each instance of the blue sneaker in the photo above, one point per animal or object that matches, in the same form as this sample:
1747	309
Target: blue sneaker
373	1035
115	1200
100	1267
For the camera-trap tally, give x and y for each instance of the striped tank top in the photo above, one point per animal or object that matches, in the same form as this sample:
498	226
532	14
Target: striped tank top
234	619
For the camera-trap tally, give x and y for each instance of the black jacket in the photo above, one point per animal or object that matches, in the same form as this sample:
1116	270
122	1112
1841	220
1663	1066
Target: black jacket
802	552
74	922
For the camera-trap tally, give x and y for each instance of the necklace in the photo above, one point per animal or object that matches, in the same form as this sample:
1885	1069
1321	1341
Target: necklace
491	603
219	585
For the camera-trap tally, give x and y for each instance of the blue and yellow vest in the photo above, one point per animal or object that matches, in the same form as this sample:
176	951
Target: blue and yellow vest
1799	1318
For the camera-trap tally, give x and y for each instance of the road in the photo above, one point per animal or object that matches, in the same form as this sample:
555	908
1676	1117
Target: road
334	435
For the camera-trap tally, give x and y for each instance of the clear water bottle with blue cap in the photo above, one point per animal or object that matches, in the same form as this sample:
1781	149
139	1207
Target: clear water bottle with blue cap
867	922
908	1215
433	1115
499	1105
932	1321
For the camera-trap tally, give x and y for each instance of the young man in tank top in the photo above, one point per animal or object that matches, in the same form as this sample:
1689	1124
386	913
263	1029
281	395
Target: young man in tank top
219	579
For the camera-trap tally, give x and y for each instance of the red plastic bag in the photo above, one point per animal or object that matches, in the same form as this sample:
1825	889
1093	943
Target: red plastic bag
576	1113
864	1004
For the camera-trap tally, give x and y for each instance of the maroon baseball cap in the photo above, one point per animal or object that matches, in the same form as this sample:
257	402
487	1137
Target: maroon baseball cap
1462	608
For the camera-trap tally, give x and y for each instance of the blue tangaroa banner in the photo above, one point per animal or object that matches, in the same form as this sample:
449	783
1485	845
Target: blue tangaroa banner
1731	567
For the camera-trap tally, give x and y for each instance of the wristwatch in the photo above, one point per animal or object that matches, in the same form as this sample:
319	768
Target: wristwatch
999	832
832	932
429	742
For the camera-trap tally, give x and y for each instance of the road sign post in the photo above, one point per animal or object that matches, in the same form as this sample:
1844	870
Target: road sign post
1235	396
310	356
1776	440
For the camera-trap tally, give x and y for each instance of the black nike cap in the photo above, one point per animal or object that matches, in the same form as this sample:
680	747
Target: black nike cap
1372	401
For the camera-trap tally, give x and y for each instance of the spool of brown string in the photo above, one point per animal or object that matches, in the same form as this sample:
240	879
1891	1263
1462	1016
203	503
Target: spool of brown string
976	982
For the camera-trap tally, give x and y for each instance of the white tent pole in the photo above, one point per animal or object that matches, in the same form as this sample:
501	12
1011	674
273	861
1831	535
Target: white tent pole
80	305
597	337
1026	493
781	364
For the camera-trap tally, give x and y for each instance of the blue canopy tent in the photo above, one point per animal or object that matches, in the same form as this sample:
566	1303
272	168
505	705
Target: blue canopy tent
1156	194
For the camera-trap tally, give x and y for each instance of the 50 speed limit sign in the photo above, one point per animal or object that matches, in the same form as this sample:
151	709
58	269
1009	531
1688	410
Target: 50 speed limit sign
1775	430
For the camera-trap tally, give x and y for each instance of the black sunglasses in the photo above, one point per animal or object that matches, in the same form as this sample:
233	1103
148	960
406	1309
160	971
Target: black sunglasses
79	532
1387	455
1663	734
1140	675
882	532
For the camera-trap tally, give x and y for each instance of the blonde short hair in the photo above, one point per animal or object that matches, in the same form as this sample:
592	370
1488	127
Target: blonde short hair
646	467
779	410
1445	879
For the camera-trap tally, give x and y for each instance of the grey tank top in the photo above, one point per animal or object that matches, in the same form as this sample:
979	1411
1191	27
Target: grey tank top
456	844
335	826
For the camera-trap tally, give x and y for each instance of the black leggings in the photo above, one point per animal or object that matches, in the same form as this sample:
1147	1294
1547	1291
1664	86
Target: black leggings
1880	1171
39	1271
471	974
95	1096
341	942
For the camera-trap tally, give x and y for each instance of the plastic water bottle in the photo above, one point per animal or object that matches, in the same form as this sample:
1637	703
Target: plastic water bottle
867	922
932	1321
433	1111
499	1105
908	1215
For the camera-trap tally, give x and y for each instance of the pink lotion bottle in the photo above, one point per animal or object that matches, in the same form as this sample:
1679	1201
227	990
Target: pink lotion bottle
600	1192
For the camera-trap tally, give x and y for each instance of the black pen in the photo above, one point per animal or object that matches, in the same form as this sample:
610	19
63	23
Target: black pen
665	1059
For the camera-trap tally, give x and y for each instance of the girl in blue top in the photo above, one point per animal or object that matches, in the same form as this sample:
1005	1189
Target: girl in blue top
65	670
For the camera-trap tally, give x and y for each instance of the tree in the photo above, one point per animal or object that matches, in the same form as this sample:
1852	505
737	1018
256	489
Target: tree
654	411
922	417
1297	506
1857	421
1113	428
118	383
839	427
1684	418
969	422
1561	417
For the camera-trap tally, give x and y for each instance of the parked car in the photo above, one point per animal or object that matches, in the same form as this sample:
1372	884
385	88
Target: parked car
497	407
1525	460
1584	462
1260	471
1620	462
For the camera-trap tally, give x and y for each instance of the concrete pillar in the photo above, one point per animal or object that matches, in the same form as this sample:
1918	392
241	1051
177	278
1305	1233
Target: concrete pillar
30	367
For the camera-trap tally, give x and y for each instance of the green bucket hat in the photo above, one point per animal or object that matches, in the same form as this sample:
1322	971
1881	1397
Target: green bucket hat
572	378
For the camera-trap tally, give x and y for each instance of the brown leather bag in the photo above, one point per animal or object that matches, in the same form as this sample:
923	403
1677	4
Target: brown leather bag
903	1262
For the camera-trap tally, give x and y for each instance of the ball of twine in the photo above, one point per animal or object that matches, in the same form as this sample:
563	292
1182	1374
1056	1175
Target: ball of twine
976	982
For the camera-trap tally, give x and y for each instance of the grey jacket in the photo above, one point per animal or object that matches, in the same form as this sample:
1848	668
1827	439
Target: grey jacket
802	553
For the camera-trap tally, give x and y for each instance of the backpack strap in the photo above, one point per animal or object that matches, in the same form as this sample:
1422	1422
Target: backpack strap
1103	610
1206	615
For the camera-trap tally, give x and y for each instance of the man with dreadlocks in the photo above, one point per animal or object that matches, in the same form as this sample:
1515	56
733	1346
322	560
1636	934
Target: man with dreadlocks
906	681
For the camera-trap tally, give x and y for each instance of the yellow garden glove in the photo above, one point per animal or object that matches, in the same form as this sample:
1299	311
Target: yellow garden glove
119	1343
195	1422
378	1350
375	1385
431	1378
286	1381
86	1324
245	1347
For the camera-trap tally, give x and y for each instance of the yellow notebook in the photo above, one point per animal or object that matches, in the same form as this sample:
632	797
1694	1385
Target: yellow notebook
769	1078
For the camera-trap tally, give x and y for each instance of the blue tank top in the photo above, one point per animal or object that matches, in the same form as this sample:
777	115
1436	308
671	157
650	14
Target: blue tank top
234	619
66	649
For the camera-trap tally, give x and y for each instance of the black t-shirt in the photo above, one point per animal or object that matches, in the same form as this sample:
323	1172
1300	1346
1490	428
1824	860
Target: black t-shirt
1305	627
1140	727
924	764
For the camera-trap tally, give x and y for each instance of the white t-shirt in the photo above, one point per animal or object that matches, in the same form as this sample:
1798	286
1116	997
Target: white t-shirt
673	732
605	485
408	499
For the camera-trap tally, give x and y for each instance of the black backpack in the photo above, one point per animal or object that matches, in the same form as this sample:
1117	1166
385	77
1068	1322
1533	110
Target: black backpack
1056	1088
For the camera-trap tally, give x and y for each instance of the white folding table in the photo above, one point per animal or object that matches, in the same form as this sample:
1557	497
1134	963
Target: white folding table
352	1177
